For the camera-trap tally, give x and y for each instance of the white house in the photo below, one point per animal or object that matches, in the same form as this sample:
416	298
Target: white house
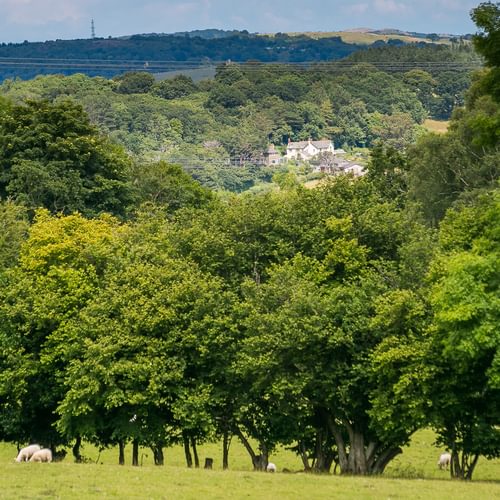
305	150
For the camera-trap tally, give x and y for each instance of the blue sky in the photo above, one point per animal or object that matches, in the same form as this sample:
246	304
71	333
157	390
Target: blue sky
39	20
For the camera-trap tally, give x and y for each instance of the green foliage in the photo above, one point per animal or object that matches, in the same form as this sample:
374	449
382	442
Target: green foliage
293	316
487	18
388	171
135	82
179	86
170	186
249	105
444	169
59	268
14	230
51	156
465	300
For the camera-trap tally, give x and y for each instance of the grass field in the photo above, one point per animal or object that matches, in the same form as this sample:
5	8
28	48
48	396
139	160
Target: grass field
412	475
437	126
363	37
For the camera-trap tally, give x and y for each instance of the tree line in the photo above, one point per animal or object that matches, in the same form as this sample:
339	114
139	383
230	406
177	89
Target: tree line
137	306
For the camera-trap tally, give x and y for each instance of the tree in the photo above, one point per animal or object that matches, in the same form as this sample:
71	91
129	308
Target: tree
396	130
59	270
51	156
142	354
309	333
169	185
225	96
487	18
465	349
388	171
135	82
445	168
174	88
424	86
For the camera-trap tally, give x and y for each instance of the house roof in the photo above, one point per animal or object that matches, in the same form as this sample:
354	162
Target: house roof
323	144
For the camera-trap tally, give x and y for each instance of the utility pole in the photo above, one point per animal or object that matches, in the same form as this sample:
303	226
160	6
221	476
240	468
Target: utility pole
92	29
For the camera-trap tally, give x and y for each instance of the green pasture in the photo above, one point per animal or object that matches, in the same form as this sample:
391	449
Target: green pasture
412	475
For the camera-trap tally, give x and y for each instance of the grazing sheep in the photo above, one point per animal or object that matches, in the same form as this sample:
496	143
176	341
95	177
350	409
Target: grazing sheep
43	455
444	461
271	467
26	453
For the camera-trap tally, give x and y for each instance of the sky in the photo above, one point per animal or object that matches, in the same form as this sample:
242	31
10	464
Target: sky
40	20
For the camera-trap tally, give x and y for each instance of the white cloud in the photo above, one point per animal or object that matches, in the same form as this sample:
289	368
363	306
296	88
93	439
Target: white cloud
357	9
38	12
390	7
456	5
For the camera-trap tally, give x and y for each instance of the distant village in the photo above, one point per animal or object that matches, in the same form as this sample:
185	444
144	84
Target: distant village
322	155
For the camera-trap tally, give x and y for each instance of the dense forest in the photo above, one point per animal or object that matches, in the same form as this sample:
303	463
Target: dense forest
138	305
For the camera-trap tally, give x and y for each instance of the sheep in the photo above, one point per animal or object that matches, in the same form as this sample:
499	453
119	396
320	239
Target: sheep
444	461
271	467
43	455
26	453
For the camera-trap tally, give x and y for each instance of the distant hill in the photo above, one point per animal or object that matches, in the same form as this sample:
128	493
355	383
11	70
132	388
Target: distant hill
182	51
161	53
368	36
207	34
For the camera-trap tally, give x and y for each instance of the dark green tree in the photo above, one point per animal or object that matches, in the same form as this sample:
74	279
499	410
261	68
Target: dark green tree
487	41
135	82
174	88
51	156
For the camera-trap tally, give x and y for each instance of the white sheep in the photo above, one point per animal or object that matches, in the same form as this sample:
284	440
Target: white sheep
26	453
43	455
444	461
271	467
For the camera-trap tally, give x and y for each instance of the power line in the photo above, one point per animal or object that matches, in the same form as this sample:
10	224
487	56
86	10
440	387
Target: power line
245	67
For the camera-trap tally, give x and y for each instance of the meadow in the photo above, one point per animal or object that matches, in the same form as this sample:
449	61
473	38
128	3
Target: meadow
437	126
412	475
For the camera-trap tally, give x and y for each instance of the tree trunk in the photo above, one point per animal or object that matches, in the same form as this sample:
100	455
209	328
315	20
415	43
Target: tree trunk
76	450
226	441
121	453
195	453
384	458
157	450
255	458
135	452
343	459
361	459
260	462
187	452
357	457
323	456
462	468
304	457
264	457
